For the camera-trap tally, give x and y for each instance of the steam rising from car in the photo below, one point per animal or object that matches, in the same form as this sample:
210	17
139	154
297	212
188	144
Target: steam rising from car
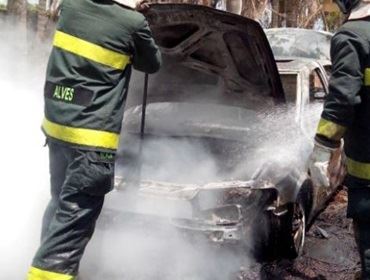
146	246
115	252
129	248
195	143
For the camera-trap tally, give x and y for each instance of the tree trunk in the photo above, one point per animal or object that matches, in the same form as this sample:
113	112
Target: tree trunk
292	13
275	13
253	8
234	6
42	20
281	20
13	6
18	9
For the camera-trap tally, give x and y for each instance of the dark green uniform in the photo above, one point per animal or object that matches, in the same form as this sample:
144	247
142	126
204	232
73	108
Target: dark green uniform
88	73
347	115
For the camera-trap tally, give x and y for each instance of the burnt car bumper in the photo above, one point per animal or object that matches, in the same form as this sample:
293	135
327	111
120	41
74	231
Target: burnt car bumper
235	208
225	224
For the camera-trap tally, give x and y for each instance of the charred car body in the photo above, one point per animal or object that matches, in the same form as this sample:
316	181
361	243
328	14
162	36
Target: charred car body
301	43
207	164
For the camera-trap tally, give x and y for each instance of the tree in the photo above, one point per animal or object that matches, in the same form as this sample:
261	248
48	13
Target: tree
253	8
275	13
296	13
292	12
18	10
42	20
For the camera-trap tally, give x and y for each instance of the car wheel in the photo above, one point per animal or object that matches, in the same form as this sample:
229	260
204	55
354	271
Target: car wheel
295	231
265	239
281	237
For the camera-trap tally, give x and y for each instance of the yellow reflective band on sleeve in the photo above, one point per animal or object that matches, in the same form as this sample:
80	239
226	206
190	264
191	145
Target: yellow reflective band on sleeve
39	274
81	136
330	130
367	77
90	51
358	169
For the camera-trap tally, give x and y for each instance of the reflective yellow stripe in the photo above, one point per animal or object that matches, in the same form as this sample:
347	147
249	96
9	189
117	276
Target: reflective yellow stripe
358	169
39	274
81	136
330	130
367	77
90	51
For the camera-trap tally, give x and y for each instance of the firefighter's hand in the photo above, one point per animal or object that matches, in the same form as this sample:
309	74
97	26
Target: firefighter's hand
142	6
319	163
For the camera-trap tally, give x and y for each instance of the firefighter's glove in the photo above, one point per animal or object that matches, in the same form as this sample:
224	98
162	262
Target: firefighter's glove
319	163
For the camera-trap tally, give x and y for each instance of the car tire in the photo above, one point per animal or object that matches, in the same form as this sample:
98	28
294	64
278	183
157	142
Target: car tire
293	231
265	237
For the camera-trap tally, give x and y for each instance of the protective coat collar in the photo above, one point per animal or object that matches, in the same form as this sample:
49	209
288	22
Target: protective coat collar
128	3
361	11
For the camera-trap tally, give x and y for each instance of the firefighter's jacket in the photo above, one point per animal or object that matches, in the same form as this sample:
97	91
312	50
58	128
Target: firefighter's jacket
347	108
95	45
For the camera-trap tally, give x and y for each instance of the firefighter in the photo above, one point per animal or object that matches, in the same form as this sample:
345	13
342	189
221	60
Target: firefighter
95	45
346	115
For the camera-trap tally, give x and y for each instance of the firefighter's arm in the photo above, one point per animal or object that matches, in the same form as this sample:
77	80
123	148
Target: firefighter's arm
146	57
349	52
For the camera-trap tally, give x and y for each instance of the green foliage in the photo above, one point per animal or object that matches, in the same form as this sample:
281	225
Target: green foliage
334	20
32	8
3	7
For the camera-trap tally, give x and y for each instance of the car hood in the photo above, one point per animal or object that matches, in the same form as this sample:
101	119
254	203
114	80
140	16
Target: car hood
178	191
211	56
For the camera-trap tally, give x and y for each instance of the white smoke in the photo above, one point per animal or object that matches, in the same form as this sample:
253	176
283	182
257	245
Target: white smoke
144	246
125	248
114	253
24	173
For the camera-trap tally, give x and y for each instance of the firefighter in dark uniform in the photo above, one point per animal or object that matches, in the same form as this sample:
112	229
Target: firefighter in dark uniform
96	44
347	115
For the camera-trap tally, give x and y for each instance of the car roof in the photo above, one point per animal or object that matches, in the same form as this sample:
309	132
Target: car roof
297	64
300	42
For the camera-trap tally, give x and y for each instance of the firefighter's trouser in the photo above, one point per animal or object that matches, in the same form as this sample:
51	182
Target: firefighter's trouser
359	211
79	180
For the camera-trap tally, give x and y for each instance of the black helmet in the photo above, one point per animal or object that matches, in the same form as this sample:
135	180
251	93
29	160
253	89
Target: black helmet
347	5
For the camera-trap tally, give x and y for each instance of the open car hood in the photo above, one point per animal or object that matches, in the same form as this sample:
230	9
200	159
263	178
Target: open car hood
210	56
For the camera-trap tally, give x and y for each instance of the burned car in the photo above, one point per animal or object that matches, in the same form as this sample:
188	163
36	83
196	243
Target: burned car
224	153
301	43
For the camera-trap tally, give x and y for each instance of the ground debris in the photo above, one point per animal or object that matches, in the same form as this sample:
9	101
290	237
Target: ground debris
321	232
332	258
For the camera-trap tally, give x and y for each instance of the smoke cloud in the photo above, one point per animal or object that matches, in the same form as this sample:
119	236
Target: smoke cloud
139	242
24	173
131	246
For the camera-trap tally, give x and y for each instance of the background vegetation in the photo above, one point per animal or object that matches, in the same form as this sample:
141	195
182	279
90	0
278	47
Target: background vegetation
319	14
